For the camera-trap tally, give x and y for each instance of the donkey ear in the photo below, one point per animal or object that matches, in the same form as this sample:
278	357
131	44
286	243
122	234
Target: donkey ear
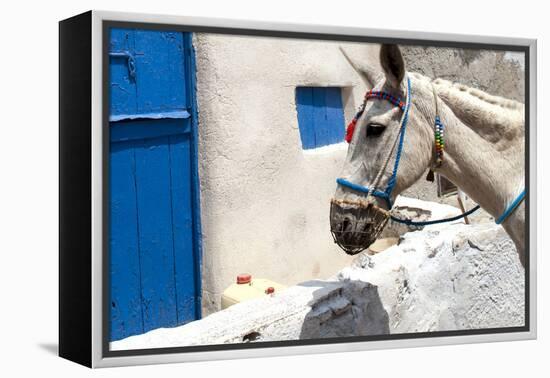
368	74
393	64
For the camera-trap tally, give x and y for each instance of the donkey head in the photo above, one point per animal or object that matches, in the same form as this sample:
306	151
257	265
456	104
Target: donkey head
357	220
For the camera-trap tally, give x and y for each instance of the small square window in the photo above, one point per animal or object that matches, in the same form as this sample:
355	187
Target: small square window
320	116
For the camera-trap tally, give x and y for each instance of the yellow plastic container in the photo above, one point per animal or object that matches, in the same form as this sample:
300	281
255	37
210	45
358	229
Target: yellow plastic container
246	288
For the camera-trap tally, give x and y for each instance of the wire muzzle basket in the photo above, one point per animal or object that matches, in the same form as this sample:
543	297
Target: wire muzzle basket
355	225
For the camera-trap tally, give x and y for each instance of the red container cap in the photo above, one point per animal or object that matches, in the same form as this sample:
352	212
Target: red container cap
244	278
270	290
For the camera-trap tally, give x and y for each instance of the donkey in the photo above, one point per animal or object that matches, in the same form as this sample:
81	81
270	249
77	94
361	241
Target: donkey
482	151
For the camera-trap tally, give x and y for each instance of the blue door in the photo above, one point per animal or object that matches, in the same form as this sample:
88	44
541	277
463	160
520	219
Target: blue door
154	254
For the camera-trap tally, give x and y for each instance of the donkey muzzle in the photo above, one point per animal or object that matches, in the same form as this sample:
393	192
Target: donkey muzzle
356	225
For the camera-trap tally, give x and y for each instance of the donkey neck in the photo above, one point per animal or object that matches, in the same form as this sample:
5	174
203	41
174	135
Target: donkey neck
491	171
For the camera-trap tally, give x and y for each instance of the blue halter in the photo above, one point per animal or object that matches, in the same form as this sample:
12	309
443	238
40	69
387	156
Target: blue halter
386	194
511	208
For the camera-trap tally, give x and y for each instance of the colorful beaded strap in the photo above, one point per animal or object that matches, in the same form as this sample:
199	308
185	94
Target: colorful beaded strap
385	96
438	134
439	141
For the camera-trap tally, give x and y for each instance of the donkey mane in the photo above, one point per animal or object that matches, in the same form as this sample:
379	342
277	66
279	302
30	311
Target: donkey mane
481	98
496	119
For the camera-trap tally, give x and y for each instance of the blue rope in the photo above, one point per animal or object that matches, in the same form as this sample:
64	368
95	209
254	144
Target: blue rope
511	208
364	189
393	179
409	222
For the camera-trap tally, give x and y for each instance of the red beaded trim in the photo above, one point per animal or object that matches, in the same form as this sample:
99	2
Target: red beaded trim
386	96
372	94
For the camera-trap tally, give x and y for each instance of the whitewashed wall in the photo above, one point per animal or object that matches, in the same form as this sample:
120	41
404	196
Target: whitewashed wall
264	200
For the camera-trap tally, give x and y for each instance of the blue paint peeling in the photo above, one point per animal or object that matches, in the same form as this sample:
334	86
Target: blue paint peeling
148	128
177	114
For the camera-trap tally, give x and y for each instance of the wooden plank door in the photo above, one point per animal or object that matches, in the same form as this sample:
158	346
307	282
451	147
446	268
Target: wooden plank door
153	246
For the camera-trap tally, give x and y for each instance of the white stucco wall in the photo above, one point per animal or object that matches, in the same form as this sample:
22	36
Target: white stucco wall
264	200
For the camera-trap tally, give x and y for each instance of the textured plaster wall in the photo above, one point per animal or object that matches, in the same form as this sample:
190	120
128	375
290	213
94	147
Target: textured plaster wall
265	201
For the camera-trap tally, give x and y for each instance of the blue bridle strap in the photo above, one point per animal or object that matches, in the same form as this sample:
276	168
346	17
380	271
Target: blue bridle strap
511	208
364	189
393	179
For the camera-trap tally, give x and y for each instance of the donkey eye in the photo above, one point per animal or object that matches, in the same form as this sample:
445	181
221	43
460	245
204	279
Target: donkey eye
375	130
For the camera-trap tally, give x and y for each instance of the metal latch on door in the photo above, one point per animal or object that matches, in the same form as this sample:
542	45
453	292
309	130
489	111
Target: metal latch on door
130	61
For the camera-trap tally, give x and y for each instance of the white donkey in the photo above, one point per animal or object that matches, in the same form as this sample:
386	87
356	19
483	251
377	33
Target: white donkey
481	148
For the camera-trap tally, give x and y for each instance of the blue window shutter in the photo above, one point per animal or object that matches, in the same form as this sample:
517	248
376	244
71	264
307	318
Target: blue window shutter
305	108
335	123
320	116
